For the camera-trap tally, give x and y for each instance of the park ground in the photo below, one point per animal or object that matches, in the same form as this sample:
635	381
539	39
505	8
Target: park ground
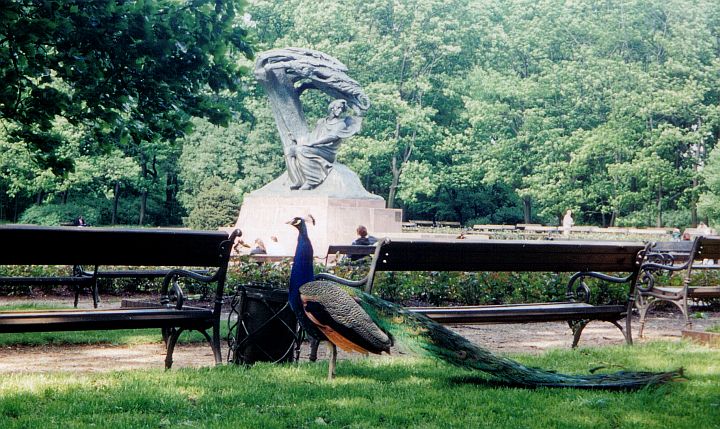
534	338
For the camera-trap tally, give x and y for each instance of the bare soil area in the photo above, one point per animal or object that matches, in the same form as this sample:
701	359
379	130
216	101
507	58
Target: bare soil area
510	338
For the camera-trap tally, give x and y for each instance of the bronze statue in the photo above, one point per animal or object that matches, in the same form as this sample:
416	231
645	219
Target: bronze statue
313	158
286	74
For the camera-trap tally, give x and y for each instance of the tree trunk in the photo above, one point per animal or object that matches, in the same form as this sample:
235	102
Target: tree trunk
693	204
658	222
170	190
613	218
393	183
527	209
152	172
397	169
143	206
116	199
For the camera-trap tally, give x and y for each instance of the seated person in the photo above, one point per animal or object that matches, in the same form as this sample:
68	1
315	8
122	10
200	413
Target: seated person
363	240
259	248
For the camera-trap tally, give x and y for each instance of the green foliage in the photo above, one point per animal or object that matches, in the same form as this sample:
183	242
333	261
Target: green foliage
28	271
60	214
709	203
246	271
139	66
484	111
125	76
216	205
477	288
435	288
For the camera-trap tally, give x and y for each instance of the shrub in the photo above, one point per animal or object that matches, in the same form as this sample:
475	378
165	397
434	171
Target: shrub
435	288
58	214
218	205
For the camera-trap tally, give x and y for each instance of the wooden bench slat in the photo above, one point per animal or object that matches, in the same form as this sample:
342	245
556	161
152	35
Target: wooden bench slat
34	245
128	318
495	255
64	281
520	313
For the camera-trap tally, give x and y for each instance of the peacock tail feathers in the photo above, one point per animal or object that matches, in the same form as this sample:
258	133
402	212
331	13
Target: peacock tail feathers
418	333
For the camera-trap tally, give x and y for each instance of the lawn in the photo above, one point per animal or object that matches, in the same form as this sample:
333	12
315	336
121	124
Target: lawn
395	392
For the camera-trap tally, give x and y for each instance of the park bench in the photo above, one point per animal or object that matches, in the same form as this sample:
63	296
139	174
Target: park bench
599	260
349	250
178	252
684	258
494	228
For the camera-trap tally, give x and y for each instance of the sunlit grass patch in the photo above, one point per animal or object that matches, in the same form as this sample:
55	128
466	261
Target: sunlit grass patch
392	392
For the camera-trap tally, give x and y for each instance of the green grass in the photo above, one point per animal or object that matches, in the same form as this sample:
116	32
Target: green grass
115	337
714	328
398	392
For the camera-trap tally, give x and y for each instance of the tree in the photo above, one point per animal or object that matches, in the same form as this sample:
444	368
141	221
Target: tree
129	72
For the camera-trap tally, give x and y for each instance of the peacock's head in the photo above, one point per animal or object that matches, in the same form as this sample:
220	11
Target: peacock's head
299	222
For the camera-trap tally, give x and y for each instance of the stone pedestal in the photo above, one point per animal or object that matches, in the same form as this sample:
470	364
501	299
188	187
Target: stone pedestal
338	205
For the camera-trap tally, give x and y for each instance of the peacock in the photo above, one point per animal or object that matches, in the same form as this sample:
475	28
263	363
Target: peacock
356	321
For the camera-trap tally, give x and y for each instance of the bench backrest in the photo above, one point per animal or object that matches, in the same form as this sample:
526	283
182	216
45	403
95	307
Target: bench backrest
707	248
506	255
685	251
683	246
350	249
35	245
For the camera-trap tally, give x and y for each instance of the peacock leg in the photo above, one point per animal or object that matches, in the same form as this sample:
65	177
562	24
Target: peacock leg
333	360
314	344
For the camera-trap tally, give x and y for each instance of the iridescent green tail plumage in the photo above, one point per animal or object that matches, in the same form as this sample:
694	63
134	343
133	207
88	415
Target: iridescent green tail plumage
442	343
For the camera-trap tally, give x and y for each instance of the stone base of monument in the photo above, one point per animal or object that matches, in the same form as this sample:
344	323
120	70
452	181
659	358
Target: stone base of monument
338	205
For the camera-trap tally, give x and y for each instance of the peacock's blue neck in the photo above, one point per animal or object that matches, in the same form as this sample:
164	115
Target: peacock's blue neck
302	269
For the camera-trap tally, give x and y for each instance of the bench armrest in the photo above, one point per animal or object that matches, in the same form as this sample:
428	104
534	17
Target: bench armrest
581	291
175	293
353	283
650	269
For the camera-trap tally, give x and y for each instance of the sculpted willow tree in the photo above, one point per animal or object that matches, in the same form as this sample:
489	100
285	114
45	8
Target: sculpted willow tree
286	74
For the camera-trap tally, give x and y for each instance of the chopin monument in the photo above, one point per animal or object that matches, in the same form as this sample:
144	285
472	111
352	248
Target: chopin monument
313	183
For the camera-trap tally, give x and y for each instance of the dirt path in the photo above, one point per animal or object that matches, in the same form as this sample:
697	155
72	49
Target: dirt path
512	338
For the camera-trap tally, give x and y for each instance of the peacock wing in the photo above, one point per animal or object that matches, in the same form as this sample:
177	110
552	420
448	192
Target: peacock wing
341	319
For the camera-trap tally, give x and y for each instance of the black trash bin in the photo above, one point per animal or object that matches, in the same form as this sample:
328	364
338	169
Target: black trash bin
263	328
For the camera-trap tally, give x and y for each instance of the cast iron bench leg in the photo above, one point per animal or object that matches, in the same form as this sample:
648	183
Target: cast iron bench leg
95	294
626	334
172	340
214	344
577	327
77	295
